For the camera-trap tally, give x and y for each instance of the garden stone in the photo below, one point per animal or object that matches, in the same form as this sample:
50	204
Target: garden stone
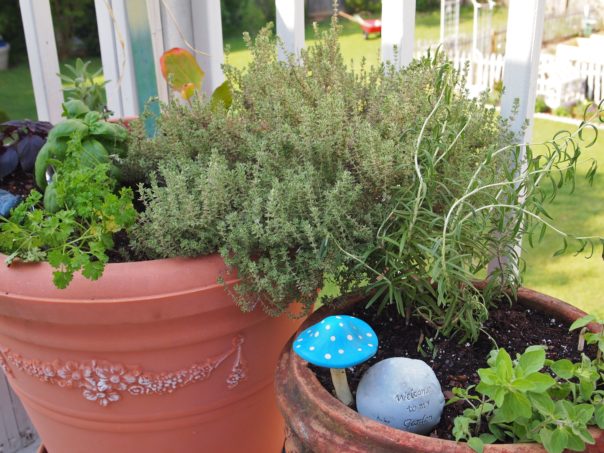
7	202
402	393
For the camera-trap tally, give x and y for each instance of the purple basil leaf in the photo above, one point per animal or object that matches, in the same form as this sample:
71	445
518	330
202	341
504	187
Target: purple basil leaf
14	123
28	148
41	127
11	126
9	160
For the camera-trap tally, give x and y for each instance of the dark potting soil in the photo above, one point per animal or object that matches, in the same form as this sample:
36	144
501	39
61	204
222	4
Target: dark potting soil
511	327
18	183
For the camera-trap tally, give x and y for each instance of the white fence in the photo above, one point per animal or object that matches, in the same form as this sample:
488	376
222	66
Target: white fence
560	81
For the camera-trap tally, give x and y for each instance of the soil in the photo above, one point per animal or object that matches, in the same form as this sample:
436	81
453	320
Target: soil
455	364
18	183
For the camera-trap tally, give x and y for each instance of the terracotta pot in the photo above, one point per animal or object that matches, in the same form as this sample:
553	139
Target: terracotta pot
318	422
153	357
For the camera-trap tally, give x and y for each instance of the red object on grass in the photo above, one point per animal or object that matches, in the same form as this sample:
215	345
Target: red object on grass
371	26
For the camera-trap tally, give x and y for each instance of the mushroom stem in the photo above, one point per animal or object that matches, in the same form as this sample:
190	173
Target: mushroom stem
340	383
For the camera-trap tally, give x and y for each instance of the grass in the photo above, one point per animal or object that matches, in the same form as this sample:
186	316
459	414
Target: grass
17	97
17	93
355	47
573	279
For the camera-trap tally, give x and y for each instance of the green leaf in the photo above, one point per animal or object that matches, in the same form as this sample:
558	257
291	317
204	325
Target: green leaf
75	109
583	413
42	165
535	382
542	402
586	387
582	322
532	360
563	368
51	199
476	444
599	415
222	95
488	438
488	376
93	269
67	128
554	441
93	153
503	365
515	405
62	279
574	442
110	132
584	434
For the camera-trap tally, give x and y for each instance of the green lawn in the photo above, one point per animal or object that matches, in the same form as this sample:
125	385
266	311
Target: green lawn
355	47
17	93
17	98
572	278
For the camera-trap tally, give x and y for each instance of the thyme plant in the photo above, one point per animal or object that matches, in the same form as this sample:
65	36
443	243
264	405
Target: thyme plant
293	181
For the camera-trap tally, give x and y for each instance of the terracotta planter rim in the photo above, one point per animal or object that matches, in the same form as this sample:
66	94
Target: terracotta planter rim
27	289
372	431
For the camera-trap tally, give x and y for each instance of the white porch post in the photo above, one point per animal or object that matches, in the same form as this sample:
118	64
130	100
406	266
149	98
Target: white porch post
43	58
207	34
398	31
157	40
290	25
522	51
118	67
521	68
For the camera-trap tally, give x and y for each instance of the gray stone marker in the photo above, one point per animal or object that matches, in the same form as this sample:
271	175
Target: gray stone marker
402	393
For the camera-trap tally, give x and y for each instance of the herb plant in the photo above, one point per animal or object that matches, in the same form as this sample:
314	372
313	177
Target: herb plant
456	217
519	400
76	233
83	85
295	178
101	142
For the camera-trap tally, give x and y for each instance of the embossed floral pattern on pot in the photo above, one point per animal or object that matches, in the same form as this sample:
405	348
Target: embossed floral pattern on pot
104	382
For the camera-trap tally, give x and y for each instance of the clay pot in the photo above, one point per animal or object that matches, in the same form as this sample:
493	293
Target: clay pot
317	422
153	357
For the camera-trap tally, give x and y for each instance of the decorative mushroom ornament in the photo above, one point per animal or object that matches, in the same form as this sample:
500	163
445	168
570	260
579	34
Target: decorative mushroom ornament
337	342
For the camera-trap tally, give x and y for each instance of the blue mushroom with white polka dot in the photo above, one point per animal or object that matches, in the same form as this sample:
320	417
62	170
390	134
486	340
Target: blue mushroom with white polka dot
337	342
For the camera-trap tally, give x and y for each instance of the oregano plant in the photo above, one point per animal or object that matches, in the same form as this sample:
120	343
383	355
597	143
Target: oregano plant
534	399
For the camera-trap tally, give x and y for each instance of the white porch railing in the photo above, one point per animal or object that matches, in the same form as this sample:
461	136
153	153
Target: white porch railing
197	25
559	80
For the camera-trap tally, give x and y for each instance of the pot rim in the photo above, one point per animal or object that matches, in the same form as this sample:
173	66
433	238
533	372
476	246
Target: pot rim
143	278
140	291
389	437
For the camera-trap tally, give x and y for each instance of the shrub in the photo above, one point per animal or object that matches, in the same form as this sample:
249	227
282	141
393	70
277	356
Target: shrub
564	111
293	181
541	106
